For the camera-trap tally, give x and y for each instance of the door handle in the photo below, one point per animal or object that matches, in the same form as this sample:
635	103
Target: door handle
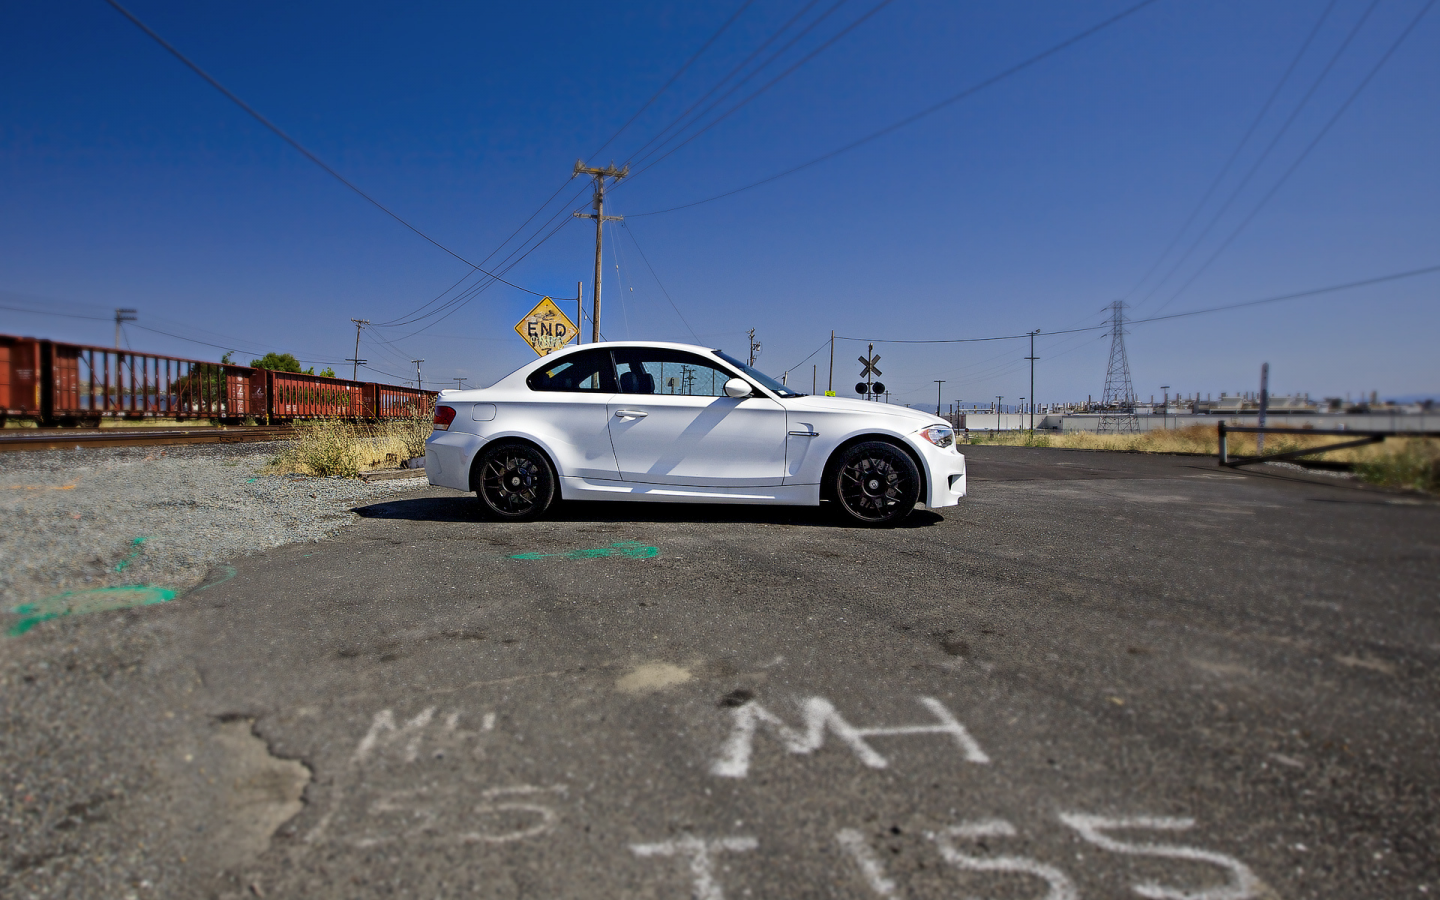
630	413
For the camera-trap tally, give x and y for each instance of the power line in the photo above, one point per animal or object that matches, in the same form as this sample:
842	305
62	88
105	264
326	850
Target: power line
673	78
294	143
811	356
239	348
1303	154
930	110
1396	276
415	314
662	287
1235	154
771	83
505	265
480	288
43	312
728	75
1265	154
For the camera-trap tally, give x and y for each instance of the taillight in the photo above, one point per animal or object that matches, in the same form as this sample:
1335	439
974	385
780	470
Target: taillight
444	415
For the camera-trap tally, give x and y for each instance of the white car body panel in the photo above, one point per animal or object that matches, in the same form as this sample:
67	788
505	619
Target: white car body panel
699	441
762	449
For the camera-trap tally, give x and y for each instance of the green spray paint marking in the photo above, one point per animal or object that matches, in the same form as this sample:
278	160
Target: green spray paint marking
226	573
77	603
628	549
123	564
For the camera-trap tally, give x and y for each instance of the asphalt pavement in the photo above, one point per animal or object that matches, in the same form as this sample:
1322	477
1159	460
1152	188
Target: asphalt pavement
1102	675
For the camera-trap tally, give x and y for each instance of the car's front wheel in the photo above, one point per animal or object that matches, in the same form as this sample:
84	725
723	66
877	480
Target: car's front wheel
875	483
514	482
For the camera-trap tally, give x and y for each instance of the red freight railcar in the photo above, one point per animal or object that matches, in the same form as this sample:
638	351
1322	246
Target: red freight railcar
19	376
60	383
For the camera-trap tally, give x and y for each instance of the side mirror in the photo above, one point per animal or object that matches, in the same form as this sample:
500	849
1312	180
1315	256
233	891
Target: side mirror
738	388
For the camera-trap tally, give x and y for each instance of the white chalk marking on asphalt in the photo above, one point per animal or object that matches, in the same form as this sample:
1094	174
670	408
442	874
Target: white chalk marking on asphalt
1242	884
854	843
548	816
383	735
417	809
818	714
1061	887
699	852
382	728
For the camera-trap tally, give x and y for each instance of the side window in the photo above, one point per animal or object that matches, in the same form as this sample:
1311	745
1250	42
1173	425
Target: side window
645	370
588	370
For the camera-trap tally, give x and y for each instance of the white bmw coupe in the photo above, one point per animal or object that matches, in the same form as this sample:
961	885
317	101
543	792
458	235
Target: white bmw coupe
681	423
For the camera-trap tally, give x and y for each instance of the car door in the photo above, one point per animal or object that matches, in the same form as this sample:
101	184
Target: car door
567	409
672	423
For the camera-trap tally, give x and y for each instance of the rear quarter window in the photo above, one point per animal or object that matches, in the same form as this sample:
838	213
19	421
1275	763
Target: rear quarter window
589	371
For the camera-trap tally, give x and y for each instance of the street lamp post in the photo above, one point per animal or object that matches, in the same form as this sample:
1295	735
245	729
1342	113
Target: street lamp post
1165	407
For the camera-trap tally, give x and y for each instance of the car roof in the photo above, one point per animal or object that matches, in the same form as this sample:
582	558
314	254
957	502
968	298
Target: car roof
519	375
667	345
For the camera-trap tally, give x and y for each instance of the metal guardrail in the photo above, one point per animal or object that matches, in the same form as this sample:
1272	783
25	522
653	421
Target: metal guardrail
1360	439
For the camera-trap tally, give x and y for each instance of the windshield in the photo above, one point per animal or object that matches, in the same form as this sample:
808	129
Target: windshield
756	375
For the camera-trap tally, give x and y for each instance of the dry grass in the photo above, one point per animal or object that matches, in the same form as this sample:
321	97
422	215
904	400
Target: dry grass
331	447
1398	462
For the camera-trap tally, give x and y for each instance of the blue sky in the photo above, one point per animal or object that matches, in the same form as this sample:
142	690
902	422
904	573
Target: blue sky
1034	203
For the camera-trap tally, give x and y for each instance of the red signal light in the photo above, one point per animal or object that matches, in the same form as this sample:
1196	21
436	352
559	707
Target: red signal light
444	415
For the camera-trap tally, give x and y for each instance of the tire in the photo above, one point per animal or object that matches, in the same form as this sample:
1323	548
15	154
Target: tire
514	482
874	484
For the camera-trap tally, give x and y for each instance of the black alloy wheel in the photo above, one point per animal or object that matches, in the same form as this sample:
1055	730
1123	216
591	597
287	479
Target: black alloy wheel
515	482
876	484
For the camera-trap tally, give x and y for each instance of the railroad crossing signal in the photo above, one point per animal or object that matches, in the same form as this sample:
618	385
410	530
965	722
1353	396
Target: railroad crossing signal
546	329
871	369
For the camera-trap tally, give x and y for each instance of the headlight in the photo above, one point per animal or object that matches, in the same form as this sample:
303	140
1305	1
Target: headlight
939	435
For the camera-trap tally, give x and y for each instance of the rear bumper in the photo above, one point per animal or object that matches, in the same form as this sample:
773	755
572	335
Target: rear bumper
448	455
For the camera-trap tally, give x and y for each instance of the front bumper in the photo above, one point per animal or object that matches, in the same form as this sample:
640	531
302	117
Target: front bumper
944	475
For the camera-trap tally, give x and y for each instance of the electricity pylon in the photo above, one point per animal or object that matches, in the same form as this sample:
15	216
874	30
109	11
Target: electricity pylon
1117	405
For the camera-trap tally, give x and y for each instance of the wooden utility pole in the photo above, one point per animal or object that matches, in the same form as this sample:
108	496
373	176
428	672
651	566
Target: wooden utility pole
355	369
754	347
830	385
938	383
600	218
121	317
1032	357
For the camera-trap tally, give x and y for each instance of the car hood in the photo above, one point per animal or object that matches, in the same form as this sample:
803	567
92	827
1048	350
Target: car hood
840	404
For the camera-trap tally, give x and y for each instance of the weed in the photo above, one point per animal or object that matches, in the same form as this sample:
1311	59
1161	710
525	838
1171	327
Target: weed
1412	463
332	447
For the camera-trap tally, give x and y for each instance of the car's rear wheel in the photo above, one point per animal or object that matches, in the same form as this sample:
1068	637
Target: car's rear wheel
875	483
514	482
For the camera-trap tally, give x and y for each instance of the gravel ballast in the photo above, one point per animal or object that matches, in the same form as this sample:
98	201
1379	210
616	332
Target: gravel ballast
76	520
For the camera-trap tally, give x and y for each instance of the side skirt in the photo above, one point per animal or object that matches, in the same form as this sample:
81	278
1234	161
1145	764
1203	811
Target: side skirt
574	488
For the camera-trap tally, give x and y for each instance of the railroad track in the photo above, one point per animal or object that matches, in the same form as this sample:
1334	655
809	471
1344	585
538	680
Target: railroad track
71	438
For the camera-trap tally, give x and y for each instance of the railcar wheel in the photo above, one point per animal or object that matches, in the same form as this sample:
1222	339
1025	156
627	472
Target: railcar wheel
875	484
514	482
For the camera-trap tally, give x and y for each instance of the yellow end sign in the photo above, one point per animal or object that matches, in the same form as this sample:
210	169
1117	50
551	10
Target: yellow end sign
545	328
